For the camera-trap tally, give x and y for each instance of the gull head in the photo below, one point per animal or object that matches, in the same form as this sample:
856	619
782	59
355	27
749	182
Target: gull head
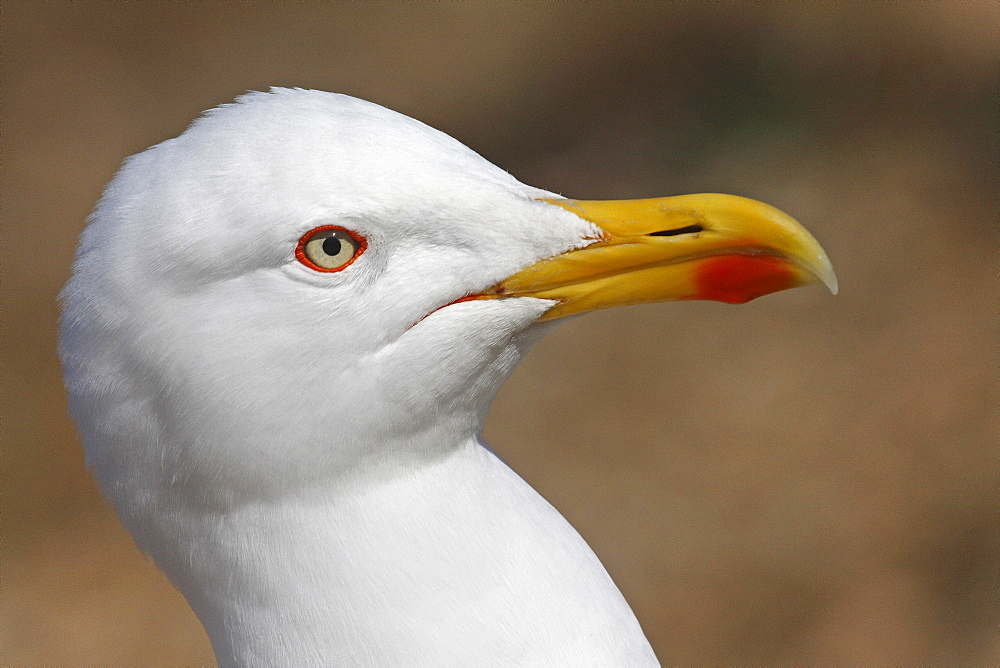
305	288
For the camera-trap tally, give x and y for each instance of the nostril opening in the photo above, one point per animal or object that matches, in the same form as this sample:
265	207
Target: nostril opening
690	229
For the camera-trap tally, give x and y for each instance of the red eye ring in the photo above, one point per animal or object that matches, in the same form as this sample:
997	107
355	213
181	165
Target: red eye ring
359	243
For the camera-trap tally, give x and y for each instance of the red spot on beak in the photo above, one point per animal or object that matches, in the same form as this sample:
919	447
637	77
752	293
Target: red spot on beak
736	279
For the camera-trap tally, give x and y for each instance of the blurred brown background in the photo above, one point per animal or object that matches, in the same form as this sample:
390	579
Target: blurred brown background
805	479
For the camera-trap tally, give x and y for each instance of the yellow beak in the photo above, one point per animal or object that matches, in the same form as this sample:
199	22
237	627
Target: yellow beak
708	246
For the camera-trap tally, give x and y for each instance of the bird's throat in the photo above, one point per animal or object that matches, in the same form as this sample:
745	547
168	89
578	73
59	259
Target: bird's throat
460	548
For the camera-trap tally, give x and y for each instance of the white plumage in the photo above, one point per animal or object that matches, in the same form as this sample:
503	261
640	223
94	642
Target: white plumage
298	457
298	449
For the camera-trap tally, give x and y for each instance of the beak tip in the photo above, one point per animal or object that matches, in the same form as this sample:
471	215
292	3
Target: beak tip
820	267
828	276
829	279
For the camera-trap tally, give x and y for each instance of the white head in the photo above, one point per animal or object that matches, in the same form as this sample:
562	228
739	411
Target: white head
209	362
204	359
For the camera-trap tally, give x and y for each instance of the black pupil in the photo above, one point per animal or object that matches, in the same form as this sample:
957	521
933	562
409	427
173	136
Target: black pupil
331	246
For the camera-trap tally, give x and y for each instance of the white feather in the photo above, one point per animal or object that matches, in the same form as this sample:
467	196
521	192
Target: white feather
299	451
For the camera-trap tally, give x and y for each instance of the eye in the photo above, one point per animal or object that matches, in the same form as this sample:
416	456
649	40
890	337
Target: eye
329	248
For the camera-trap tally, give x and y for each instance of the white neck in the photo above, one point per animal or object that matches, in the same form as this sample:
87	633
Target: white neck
459	562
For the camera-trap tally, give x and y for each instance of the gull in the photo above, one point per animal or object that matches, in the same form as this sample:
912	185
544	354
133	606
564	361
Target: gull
280	340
